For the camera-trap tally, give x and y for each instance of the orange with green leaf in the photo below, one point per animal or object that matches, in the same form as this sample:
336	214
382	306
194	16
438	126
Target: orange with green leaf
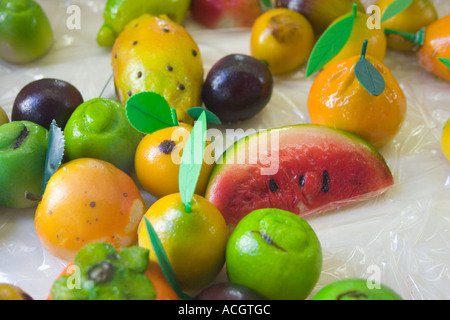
158	155
361	97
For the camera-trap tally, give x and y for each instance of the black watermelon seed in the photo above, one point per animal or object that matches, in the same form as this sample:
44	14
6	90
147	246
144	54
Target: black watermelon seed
92	204
326	182
139	74
135	43
169	68
301	181
273	185
165	30
194	52
181	86
130	93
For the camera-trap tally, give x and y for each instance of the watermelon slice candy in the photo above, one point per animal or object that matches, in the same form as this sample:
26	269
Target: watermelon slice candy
317	169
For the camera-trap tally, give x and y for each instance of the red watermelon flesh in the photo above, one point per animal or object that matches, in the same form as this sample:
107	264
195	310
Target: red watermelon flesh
318	169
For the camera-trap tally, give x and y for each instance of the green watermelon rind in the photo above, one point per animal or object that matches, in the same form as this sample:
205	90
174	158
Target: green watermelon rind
222	160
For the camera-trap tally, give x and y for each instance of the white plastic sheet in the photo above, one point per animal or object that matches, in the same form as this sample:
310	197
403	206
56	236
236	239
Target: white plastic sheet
401	238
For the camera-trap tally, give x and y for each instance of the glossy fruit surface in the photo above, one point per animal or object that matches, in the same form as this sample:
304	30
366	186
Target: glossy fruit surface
12	292
25	32
118	13
157	161
194	242
216	14
337	99
45	100
228	291
445	140
99	129
237	87
276	253
321	13
356	289
303	169
23	150
376	38
88	200
3	116
283	38
156	54
417	16
436	45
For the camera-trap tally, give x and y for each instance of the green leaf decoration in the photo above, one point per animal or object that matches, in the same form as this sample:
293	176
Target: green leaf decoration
395	8
164	262
267	3
191	161
149	111
445	61
195	113
330	43
55	153
369	77
417	38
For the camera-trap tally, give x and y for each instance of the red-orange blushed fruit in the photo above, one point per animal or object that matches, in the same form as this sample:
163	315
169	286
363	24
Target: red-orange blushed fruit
88	200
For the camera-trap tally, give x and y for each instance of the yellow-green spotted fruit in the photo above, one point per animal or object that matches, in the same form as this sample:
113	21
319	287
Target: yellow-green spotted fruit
118	13
25	32
153	53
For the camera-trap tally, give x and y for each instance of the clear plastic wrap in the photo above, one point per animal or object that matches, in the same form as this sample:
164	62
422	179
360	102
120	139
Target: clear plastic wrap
402	237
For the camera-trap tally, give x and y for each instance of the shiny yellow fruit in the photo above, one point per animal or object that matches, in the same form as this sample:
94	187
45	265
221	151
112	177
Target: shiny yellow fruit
157	161
445	140
376	38
283	38
195	242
